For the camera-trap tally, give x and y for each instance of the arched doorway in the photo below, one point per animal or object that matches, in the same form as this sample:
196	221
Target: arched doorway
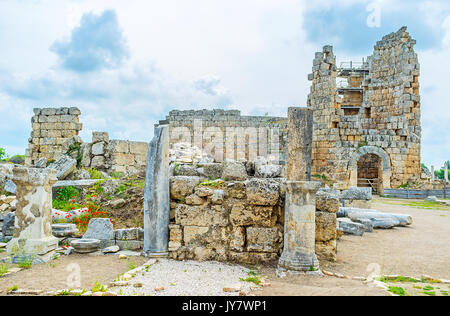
369	172
370	164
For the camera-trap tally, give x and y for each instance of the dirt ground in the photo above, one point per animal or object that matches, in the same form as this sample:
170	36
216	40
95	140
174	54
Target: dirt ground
53	276
420	249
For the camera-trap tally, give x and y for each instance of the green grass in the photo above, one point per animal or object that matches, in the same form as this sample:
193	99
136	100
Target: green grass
3	268
66	205
25	261
397	290
253	277
13	288
426	205
99	288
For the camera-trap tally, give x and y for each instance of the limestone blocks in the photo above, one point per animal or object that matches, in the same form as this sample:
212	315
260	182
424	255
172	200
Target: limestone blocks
126	157
238	221
51	127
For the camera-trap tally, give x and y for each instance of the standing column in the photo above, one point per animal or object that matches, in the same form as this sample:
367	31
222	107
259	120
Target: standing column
432	174
33	237
299	226
156	195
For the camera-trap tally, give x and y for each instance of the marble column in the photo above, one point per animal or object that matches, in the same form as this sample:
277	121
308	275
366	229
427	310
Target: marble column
299	226
432	173
156	195
33	227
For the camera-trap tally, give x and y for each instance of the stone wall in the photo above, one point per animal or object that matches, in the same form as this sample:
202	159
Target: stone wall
51	128
239	220
386	123
228	135
114	155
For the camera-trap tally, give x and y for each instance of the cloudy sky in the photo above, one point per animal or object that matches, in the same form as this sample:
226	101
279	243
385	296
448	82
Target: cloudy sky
126	64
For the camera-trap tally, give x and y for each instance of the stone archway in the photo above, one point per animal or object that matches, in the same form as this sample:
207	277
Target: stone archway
384	170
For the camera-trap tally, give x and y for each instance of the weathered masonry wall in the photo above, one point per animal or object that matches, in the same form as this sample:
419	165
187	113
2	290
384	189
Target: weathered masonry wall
377	113
114	155
51	128
240	220
228	135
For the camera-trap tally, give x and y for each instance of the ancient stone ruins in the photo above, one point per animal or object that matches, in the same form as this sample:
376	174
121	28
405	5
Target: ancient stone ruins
226	187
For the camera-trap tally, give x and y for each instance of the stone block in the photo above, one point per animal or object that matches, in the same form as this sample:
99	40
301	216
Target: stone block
237	240
99	228
98	162
262	191
327	201
208	237
100	137
181	186
252	257
263	239
212	170
123	159
138	148
247	215
325	226
64	166
130	244
194	199
326	250
186	215
202	191
98	149
175	233
234	171
118	146
236	190
126	234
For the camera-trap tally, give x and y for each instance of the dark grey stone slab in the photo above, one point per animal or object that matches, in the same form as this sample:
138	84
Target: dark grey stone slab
157	195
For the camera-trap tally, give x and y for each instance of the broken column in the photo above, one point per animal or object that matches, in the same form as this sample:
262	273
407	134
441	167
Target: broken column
33	237
299	227
157	195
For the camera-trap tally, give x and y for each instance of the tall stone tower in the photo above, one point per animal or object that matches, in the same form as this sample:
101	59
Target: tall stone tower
367	115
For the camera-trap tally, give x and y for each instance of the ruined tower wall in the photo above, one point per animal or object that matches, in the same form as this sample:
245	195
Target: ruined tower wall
328	147
385	123
392	92
51	128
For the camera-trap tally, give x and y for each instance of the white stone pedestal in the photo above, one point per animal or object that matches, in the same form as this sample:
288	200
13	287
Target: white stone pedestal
32	227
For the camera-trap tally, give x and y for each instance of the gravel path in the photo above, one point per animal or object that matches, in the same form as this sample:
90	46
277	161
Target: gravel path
188	278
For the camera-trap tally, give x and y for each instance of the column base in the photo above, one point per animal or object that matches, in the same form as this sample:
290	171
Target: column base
298	262
150	254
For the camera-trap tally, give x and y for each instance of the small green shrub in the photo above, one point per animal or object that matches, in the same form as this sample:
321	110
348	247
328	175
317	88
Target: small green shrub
25	261
99	288
397	290
67	193
95	174
3	268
